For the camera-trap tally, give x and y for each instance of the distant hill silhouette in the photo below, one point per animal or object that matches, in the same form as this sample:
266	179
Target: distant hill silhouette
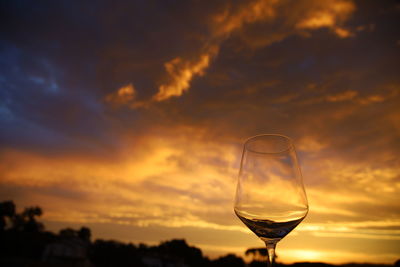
25	243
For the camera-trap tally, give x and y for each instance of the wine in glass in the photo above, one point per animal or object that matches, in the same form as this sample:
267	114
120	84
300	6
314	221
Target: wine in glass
270	197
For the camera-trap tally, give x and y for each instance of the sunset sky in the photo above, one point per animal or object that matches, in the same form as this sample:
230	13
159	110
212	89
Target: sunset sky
129	117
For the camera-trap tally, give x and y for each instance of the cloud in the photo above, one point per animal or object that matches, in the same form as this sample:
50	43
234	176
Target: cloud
330	15
167	185
131	192
347	95
231	19
124	95
181	73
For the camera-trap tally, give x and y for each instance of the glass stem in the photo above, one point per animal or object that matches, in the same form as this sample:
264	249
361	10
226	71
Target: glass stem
271	252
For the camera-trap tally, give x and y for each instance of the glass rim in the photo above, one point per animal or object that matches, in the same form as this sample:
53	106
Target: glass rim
289	145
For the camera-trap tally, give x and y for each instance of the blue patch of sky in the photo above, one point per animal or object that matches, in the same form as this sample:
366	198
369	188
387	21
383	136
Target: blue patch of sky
29	82
15	73
9	53
51	72
37	80
20	131
5	113
20	84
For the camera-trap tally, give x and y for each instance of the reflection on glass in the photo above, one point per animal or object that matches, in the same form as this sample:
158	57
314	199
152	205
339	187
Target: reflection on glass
270	197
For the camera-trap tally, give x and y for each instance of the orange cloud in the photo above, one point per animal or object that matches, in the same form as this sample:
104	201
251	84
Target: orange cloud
181	72
341	32
344	96
164	172
166	185
372	99
124	95
331	15
229	21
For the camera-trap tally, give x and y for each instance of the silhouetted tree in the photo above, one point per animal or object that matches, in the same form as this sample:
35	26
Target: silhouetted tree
179	249
26	220
22	238
68	233
7	209
29	214
258	254
21	235
256	263
84	233
114	254
230	260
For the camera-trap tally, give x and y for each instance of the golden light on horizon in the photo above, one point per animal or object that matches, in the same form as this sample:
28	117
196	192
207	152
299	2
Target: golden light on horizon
135	184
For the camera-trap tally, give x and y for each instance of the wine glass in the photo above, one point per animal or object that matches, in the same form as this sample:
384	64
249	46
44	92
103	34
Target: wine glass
270	197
